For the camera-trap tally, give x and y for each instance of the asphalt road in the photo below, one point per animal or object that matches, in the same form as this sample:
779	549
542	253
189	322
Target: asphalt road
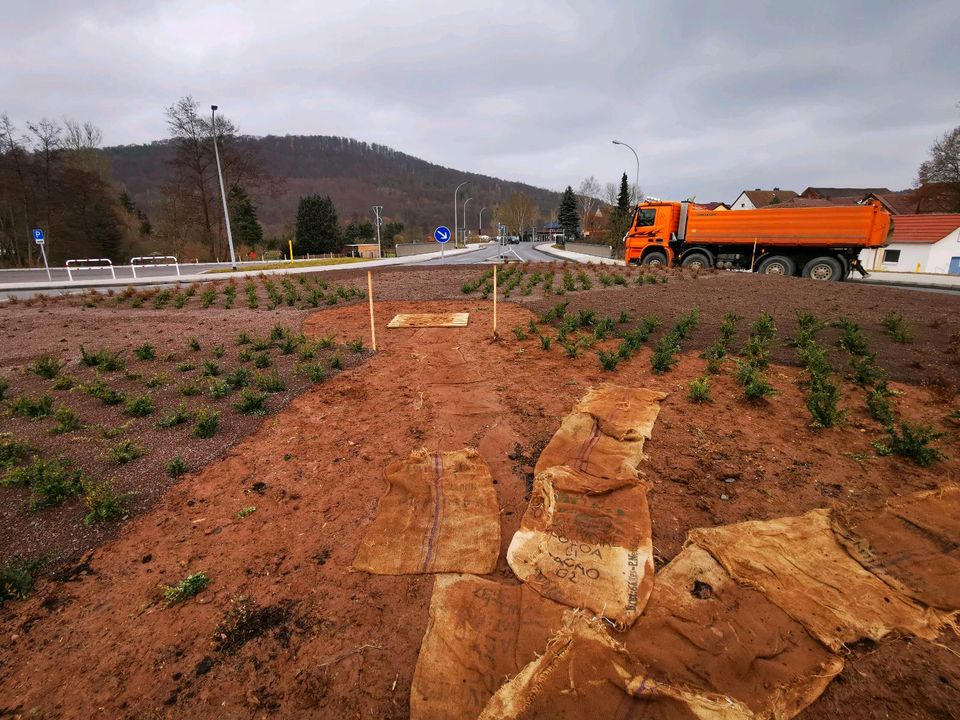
491	254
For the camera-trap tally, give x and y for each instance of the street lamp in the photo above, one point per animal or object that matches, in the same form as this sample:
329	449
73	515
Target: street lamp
465	220
455	211
480	222
377	209
636	184
223	194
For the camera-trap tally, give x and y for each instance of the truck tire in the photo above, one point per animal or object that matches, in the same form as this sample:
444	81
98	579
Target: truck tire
823	268
777	265
655	258
697	261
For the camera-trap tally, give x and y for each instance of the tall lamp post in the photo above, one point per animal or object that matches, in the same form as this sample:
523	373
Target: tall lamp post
465	220
223	194
377	209
636	183
455	211
480	222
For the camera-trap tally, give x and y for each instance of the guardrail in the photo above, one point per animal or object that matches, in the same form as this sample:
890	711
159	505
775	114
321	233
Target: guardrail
105	264
175	263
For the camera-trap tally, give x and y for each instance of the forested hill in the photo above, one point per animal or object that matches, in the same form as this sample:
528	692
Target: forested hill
357	175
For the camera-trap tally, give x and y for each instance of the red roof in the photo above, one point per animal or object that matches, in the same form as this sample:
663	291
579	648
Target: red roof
927	229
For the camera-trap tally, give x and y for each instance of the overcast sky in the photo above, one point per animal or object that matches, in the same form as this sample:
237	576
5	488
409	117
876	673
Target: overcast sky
715	97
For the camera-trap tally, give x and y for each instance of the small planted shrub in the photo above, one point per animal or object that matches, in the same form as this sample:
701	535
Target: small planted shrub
193	344
176	467
238	377
250	290
271	382
278	332
4	386
896	328
287	346
315	372
912	442
519	334
608	360
210	369
355	345
145	352
175	417
185	589
185	367
67	421
251	402
16	578
161	299
218	351
34	409
754	384
246	512
51	482
190	389
104	503
699	390
262	360
63	382
125	451
207	423
99	389
879	407
230	295
219	389
46	366
244	339
156	380
207	297
139	407
823	397
245	355
545	341
12	451
103	360
336	362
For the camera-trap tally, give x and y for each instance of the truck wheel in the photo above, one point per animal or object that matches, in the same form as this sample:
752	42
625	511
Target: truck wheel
655	258
696	261
823	268
777	265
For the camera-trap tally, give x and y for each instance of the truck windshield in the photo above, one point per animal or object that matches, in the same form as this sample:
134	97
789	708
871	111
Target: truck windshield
645	218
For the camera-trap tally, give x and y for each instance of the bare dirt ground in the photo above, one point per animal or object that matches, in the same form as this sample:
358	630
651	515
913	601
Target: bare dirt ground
286	629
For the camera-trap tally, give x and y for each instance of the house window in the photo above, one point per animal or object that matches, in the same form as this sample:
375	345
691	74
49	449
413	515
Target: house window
891	256
645	218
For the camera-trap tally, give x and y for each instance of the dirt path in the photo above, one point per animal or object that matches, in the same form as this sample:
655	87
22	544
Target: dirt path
285	629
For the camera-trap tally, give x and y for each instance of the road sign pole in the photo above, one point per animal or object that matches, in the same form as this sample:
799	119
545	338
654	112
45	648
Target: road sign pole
442	258
44	253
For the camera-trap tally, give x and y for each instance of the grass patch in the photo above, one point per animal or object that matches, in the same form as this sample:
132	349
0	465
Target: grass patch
139	406
51	482
175	417
185	589
125	451
145	352
34	409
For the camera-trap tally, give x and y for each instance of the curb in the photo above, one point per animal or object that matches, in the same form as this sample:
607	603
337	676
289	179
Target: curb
548	249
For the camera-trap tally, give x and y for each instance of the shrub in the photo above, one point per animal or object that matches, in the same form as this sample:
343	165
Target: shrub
568	281
218	351
605	279
852	339
278	332
63	382
137	302
356	345
103	359
315	372
219	389
12	450
238	377
145	352
46	366
879	407
190	389
4	386
251	402
307	351
608	360
663	354
179	300
139	407
67	421
16	578
104	503
619	279
865	371
185	589
207	297
272	383
250	289
764	327
176	467
33	409
823	399
210	369
545	341
243	339
336	362
99	389
161	299
754	384
896	328
519	334
125	451
912	442
193	344
699	390
186	367
230	293
624	317
51	482
175	417
207	422
287	346
246	512
757	352
245	355
262	360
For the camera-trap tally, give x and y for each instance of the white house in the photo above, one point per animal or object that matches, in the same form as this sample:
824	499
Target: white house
928	243
753	199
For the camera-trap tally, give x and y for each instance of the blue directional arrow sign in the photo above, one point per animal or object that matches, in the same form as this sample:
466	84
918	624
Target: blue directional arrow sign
441	234
38	236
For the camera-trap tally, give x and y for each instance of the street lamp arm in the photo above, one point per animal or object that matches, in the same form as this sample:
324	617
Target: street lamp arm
636	183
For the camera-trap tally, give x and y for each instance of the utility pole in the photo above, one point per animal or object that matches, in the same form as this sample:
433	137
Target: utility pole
377	209
455	211
223	193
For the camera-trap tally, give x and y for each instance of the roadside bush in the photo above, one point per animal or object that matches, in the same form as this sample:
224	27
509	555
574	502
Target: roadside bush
185	589
243	339
315	372
207	422
851	339
125	451
51	482
46	366
176	467
251	402
230	295
287	346
67	421
356	345
16	578
912	442
700	390
161	299
896	328
218	351
179	300
139	407
33	409
190	389
145	352
250	289
104	503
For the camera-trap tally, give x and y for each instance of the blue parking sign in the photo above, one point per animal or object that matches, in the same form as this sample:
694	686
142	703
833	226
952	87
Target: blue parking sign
38	236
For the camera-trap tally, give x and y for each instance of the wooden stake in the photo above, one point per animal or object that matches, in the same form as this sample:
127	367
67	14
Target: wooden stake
494	300
373	329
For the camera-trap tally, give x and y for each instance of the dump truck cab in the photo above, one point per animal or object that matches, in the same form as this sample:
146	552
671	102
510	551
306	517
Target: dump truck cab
654	229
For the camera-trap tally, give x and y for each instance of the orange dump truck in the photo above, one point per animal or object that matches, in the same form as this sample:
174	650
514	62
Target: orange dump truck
818	243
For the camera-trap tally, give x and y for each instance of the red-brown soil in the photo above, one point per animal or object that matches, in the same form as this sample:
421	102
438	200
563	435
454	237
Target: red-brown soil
285	629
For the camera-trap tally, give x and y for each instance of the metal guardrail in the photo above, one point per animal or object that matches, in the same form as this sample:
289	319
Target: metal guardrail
175	263
104	264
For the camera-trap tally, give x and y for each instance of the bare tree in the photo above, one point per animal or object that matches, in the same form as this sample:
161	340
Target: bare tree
15	191
48	146
939	177
517	212
82	144
610	192
588	199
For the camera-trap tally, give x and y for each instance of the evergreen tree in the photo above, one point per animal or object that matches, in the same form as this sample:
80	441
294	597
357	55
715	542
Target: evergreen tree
623	199
567	215
359	231
317	229
246	227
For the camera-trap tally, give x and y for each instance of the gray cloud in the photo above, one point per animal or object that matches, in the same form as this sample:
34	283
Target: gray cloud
715	97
